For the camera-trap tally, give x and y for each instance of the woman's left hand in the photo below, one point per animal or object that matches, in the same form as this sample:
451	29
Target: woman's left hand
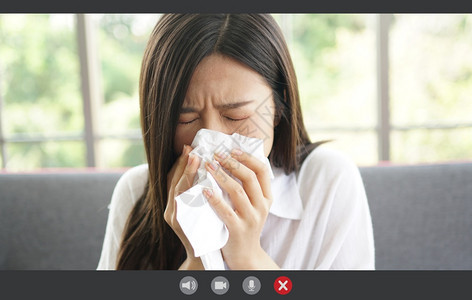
251	200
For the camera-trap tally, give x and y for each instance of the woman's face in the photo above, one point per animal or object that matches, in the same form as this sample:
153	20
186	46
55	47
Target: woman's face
227	96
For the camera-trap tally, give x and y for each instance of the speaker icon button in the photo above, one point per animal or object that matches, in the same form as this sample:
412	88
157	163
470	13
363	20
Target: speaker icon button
188	285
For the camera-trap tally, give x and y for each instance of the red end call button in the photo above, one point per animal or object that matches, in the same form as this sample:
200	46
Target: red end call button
283	285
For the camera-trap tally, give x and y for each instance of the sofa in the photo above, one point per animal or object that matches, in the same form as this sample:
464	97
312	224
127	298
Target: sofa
421	214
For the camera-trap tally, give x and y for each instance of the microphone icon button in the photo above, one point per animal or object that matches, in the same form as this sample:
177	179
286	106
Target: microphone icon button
251	285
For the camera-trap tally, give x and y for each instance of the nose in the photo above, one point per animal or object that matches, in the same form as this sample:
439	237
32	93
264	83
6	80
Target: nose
213	122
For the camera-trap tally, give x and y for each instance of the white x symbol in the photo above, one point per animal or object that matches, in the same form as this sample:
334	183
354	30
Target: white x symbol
282	285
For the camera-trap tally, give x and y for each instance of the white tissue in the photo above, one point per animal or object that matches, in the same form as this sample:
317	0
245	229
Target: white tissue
204	229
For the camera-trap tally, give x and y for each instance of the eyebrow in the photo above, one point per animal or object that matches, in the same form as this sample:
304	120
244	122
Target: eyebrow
225	106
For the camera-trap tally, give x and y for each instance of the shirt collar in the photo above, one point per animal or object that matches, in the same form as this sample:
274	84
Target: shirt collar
287	202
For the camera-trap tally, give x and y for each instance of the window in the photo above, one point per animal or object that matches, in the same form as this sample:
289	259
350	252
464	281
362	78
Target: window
40	98
121	42
382	87
431	87
68	95
334	57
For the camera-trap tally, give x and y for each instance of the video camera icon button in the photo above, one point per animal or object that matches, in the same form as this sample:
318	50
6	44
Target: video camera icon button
188	285
219	285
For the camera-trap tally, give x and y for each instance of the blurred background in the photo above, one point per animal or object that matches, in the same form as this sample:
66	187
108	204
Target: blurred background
386	88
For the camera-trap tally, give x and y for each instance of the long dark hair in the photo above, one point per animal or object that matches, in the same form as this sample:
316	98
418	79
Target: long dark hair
176	46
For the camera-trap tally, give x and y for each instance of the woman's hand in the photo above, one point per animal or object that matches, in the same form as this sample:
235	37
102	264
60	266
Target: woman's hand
179	179
251	200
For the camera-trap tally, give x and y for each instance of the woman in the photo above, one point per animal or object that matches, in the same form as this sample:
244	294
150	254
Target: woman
233	73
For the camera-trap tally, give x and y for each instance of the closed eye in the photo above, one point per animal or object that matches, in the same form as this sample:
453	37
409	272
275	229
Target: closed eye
188	122
236	120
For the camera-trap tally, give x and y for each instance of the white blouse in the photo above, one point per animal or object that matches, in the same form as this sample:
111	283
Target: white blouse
319	218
